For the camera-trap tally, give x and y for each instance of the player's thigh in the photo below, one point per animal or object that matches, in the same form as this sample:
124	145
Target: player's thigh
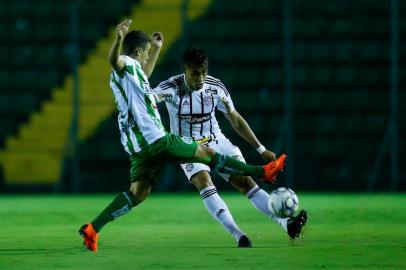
144	170
191	169
179	148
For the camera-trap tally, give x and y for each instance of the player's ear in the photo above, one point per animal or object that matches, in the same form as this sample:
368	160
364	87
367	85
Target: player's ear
137	51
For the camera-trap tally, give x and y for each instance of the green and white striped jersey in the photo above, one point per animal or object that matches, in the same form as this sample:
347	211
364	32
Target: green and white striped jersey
138	119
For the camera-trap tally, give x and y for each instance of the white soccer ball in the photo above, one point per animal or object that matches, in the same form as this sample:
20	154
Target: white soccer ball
283	202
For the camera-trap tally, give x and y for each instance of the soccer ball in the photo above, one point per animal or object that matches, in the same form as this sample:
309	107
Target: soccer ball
283	202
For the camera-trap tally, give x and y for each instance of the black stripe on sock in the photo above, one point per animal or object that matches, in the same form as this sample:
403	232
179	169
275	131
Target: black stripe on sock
208	193
253	193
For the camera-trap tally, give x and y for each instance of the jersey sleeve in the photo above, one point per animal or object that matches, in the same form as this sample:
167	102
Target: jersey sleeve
225	103
165	90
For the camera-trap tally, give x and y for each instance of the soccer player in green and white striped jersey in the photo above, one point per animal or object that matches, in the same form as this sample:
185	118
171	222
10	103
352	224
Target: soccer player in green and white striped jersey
142	134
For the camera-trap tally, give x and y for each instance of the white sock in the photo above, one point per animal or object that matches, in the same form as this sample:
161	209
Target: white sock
219	210
259	198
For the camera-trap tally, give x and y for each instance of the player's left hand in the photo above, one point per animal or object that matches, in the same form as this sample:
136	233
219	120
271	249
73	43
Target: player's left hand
268	156
157	39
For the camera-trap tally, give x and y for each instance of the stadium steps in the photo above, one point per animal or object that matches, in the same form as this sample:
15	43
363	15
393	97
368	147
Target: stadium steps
35	155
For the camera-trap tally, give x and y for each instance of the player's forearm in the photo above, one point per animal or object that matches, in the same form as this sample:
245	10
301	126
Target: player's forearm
243	129
115	52
152	58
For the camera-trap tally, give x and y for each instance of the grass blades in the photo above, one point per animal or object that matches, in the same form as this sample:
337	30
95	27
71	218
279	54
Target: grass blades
174	231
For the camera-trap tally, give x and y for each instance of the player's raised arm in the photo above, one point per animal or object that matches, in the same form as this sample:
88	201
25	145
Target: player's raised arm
241	126
114	55
156	44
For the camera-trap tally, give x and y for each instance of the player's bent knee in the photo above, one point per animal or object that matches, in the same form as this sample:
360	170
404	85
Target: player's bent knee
210	151
141	189
201	180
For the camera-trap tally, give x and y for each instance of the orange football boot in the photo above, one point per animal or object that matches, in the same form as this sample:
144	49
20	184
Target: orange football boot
90	236
272	169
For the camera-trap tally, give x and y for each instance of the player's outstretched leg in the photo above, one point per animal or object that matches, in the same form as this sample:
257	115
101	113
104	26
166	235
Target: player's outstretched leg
219	210
120	206
229	165
259	199
295	224
215	205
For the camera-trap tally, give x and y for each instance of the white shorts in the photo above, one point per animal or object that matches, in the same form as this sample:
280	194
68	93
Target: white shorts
221	145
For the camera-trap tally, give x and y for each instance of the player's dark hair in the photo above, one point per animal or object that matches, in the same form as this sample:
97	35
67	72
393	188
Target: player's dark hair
195	56
135	39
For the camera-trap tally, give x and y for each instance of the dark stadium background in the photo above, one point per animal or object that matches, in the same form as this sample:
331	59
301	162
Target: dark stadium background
320	80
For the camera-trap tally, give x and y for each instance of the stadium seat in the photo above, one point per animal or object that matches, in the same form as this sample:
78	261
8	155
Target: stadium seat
370	51
343	51
345	75
272	76
5	80
7	124
18	9
6	103
320	51
322	75
25	103
45	52
23	55
47	9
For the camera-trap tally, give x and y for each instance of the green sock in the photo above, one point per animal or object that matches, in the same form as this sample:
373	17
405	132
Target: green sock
121	205
227	164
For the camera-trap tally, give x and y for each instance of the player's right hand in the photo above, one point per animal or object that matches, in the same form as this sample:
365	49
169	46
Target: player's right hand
123	27
157	39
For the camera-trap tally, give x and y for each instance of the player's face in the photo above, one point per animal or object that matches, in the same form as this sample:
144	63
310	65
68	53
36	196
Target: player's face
195	76
143	54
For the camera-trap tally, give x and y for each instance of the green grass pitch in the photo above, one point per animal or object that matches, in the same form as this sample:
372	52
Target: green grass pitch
174	231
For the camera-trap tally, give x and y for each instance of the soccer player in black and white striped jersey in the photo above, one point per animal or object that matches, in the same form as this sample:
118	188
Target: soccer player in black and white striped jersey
191	99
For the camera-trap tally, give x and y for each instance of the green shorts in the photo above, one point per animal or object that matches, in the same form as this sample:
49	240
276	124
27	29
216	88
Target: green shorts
146	164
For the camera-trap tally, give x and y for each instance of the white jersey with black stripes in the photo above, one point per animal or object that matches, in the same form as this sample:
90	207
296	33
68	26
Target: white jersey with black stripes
192	113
